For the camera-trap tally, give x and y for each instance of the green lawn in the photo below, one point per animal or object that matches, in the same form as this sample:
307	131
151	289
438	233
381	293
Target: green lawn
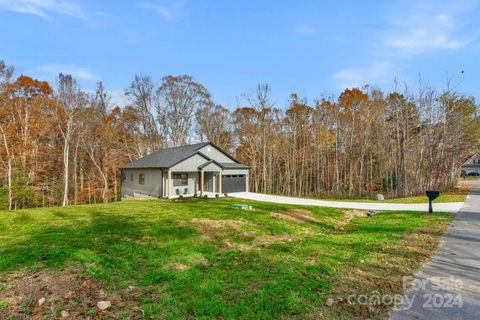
202	259
444	197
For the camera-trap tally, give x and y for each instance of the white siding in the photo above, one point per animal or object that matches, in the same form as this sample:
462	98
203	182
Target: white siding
190	164
212	167
215	154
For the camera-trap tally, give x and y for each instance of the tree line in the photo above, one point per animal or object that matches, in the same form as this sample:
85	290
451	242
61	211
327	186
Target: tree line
61	145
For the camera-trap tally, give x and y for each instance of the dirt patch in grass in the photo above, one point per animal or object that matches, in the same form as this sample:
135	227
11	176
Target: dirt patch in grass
339	223
267	240
296	215
45	294
224	230
303	216
188	262
350	214
262	241
31	295
227	244
211	228
177	266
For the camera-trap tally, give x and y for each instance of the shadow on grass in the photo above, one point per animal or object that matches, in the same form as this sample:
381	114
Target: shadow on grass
108	244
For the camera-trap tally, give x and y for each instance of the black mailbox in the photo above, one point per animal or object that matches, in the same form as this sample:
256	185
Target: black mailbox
432	195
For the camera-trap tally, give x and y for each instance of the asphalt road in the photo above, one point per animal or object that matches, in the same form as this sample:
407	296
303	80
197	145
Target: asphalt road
448	287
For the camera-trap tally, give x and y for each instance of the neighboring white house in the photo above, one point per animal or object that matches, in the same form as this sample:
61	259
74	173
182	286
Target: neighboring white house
189	170
472	165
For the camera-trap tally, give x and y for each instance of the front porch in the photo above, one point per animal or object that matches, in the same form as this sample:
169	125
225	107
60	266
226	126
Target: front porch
189	184
210	195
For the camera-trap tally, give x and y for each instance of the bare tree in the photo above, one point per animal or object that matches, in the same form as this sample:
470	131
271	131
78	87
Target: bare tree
101	100
259	99
8	166
178	97
214	123
141	95
70	99
6	73
90	135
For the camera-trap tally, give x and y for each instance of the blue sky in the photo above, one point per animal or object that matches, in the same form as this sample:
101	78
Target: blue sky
314	48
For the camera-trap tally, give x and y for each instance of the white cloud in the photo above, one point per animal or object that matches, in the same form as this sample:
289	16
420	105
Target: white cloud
413	28
165	9
162	11
427	27
305	29
421	40
51	71
356	77
44	8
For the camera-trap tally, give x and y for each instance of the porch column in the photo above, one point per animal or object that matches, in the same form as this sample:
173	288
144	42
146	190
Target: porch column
169	179
220	182
201	182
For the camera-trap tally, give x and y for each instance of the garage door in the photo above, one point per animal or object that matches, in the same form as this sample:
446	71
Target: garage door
234	183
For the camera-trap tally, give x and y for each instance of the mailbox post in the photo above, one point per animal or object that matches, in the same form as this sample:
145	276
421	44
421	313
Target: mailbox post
432	195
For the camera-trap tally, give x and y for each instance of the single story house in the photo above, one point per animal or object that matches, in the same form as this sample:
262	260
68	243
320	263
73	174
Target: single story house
197	169
472	165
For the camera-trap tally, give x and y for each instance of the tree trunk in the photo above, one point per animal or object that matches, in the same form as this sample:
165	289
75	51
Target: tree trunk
9	169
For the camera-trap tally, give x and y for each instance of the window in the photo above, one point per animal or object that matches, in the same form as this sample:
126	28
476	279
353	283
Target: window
141	178
123	177
131	176
180	180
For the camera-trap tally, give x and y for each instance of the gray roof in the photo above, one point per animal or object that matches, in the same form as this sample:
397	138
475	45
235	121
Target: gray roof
168	157
165	158
233	165
208	162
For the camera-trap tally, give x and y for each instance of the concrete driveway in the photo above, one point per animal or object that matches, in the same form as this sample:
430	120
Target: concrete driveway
449	285
377	206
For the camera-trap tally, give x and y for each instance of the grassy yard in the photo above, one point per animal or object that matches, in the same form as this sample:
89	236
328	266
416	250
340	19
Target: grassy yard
444	197
202	259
